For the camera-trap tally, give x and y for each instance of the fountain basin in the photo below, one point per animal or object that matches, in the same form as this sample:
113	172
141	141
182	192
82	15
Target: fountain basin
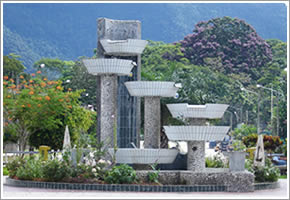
208	111
196	133
144	156
151	88
124	47
108	66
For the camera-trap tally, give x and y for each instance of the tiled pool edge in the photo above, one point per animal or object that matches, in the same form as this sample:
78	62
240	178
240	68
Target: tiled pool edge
117	187
266	185
131	188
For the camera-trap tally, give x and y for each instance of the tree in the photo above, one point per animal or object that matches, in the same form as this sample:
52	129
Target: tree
54	68
232	43
12	67
38	109
79	78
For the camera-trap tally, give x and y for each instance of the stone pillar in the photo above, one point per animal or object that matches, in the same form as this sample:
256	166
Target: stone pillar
196	155
152	122
107	114
196	149
128	107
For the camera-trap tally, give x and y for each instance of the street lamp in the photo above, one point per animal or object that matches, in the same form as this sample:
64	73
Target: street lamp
258	113
272	104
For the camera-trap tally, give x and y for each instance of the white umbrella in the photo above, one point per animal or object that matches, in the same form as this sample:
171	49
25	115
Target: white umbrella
66	140
259	159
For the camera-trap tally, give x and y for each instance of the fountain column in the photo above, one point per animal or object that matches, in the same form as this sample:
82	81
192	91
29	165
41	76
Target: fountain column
196	149
107	114
152	122
107	70
117	30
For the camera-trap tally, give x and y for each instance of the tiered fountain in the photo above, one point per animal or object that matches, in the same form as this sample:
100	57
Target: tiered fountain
197	133
108	70
119	45
152	91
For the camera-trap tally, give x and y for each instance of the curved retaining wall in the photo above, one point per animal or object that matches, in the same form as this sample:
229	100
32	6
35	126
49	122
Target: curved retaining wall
133	188
116	187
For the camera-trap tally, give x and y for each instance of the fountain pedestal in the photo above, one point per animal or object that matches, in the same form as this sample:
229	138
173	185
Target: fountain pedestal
196	149
152	122
108	110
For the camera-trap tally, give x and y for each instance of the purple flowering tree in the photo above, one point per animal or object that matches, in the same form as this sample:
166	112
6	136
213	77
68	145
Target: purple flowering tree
230	41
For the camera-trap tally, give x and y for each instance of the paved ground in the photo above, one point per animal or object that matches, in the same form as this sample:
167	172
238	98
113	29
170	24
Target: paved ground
32	193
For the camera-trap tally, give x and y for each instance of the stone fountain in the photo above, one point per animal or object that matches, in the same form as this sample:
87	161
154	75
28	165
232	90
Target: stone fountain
197	133
152	91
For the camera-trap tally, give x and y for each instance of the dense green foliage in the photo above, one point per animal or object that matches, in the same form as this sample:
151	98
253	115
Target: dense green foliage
269	173
121	174
13	165
5	171
154	174
215	162
243	131
13	67
38	109
271	143
205	84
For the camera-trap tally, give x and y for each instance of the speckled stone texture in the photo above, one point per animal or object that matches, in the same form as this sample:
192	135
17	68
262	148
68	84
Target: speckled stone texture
196	155
152	122
235	181
128	107
166	177
107	116
196	149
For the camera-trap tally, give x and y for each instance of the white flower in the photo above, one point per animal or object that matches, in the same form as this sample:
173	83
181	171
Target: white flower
94	170
91	154
101	161
59	157
109	162
98	168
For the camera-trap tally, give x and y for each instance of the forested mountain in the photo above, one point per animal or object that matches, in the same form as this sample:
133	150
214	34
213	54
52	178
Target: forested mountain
68	31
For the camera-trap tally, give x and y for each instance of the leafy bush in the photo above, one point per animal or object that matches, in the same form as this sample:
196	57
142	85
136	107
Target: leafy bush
250	140
153	176
31	170
245	130
271	143
215	162
238	145
121	174
5	171
83	171
54	170
269	173
13	165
